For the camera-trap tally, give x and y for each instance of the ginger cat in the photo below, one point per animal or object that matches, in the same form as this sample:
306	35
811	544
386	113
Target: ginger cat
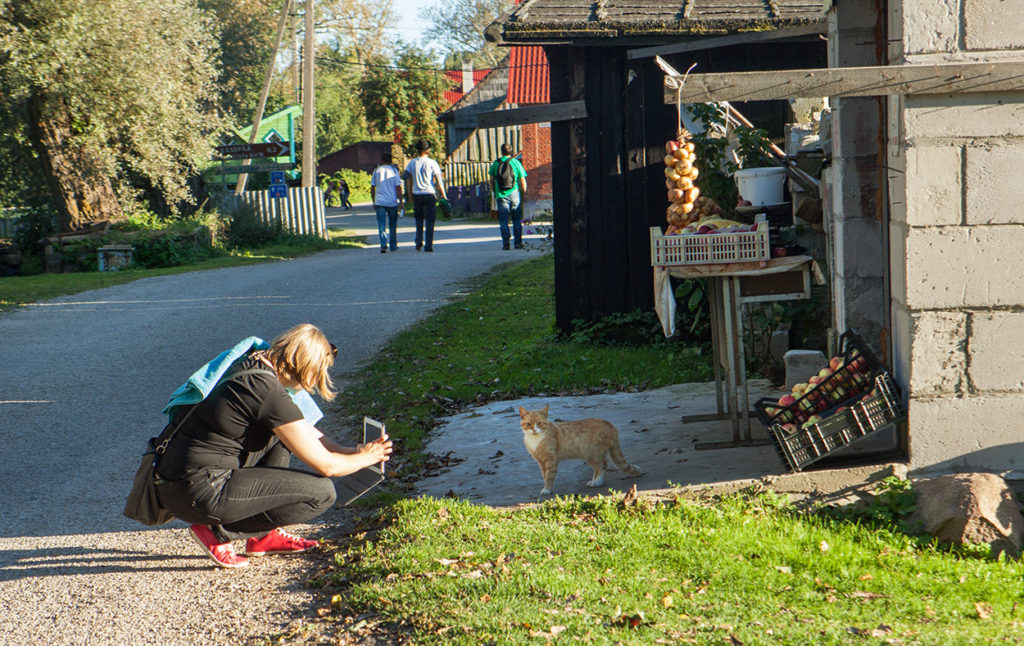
590	440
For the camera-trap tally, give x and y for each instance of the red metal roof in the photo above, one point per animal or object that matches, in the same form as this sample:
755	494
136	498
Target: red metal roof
529	78
453	95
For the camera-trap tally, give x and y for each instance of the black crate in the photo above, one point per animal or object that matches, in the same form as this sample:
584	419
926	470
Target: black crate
878	410
850	380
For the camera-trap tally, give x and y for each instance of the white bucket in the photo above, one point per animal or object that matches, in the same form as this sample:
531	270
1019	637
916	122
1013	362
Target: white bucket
761	186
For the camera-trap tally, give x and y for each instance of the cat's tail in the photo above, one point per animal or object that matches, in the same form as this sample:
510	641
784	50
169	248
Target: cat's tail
620	462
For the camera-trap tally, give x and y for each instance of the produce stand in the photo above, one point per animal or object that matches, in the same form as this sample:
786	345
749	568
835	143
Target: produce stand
731	285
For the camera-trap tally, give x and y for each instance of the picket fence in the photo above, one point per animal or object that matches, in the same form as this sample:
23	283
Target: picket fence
301	212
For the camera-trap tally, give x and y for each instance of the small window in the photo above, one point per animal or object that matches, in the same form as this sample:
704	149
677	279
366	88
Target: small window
272	137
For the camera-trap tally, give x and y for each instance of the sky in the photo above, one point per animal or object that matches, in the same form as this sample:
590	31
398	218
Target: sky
410	26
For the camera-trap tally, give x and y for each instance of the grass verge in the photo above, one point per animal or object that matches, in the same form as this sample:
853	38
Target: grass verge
745	570
21	290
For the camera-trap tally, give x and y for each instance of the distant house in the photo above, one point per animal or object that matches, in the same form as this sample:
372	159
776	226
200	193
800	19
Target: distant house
521	79
364	156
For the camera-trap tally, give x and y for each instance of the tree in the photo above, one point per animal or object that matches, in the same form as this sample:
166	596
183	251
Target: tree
357	26
458	25
404	97
245	37
340	117
110	92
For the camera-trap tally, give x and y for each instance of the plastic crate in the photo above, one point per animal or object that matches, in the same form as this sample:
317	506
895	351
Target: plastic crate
709	248
851	379
877	411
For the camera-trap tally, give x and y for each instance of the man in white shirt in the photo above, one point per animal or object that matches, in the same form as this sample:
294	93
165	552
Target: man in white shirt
386	193
424	174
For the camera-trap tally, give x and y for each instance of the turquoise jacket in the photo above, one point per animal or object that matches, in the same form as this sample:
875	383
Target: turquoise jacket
201	383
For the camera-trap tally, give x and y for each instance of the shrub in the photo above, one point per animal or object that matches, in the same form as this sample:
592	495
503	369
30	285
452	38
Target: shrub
247	230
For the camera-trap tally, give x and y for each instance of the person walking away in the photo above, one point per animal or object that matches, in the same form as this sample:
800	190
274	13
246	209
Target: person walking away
509	190
424	176
386	194
328	185
226	471
344	192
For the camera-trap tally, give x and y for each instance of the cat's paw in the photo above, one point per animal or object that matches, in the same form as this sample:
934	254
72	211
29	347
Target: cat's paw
545	492
596	482
634	470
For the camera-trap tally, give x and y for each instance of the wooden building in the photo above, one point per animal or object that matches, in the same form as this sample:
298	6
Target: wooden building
609	120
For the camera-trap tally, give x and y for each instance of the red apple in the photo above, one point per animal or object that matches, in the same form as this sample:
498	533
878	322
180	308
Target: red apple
814	380
787	400
835	362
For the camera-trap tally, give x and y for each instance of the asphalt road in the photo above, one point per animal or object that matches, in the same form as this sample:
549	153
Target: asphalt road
82	383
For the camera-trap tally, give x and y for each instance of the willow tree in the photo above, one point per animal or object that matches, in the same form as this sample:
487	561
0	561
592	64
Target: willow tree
113	93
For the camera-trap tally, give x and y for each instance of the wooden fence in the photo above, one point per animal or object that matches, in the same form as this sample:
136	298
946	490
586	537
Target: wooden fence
301	212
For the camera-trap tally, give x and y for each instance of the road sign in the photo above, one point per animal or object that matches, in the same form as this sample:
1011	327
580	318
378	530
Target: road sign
277	177
254	151
278	191
256	168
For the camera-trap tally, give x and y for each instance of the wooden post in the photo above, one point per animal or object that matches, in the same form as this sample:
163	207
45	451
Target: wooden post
309	100
244	177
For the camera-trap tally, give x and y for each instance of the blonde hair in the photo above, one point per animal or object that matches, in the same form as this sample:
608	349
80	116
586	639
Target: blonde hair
304	355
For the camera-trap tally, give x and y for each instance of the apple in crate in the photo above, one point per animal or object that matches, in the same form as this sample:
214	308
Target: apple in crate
811	421
835	362
789	429
787	400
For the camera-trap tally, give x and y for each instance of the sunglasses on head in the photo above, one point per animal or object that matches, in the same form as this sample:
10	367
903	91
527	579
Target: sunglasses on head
334	350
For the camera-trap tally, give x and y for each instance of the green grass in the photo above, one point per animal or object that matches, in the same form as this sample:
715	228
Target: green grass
598	571
749	569
21	290
498	342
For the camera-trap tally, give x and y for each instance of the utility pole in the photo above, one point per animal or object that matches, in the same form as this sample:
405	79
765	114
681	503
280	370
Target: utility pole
295	53
244	177
308	101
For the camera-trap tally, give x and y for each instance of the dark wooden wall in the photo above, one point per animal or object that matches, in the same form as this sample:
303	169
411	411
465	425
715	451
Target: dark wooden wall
607	171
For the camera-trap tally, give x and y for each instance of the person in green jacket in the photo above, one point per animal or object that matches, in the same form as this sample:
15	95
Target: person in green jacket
509	190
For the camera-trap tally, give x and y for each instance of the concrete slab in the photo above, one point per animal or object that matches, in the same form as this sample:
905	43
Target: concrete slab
495	469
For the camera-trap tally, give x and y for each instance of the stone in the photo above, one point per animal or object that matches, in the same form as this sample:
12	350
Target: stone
801	365
978	508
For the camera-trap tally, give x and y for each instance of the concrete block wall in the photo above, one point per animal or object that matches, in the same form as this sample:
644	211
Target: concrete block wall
857	232
956	232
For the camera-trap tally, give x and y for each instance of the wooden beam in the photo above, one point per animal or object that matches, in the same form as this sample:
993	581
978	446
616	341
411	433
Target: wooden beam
533	114
701	43
946	78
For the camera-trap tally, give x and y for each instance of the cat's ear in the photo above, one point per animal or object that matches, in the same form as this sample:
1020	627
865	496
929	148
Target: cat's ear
545	410
522	412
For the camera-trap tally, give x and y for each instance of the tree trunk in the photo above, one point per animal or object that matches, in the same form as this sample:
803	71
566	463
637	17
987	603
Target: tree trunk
82	193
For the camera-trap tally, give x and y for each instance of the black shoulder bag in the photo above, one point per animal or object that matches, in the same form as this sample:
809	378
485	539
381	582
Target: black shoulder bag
143	504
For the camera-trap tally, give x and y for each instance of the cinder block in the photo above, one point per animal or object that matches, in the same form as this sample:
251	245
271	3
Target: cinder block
996	351
902	343
993	25
933	185
938	358
898	233
930	26
801	365
863	254
931	117
995	184
960	434
857	126
954	267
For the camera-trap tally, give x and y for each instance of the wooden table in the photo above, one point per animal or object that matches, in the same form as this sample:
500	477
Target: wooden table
731	285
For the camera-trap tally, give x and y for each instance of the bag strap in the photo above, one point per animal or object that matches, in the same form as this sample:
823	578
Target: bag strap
162	447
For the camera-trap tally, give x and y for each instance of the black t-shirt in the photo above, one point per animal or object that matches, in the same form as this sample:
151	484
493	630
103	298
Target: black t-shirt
233	423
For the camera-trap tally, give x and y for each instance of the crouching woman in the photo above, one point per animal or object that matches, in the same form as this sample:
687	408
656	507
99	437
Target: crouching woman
226	469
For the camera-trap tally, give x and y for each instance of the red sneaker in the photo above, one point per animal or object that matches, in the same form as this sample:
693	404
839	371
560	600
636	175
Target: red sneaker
279	542
223	554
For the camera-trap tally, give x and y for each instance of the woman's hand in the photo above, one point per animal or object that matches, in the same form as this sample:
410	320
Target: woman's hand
378	450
